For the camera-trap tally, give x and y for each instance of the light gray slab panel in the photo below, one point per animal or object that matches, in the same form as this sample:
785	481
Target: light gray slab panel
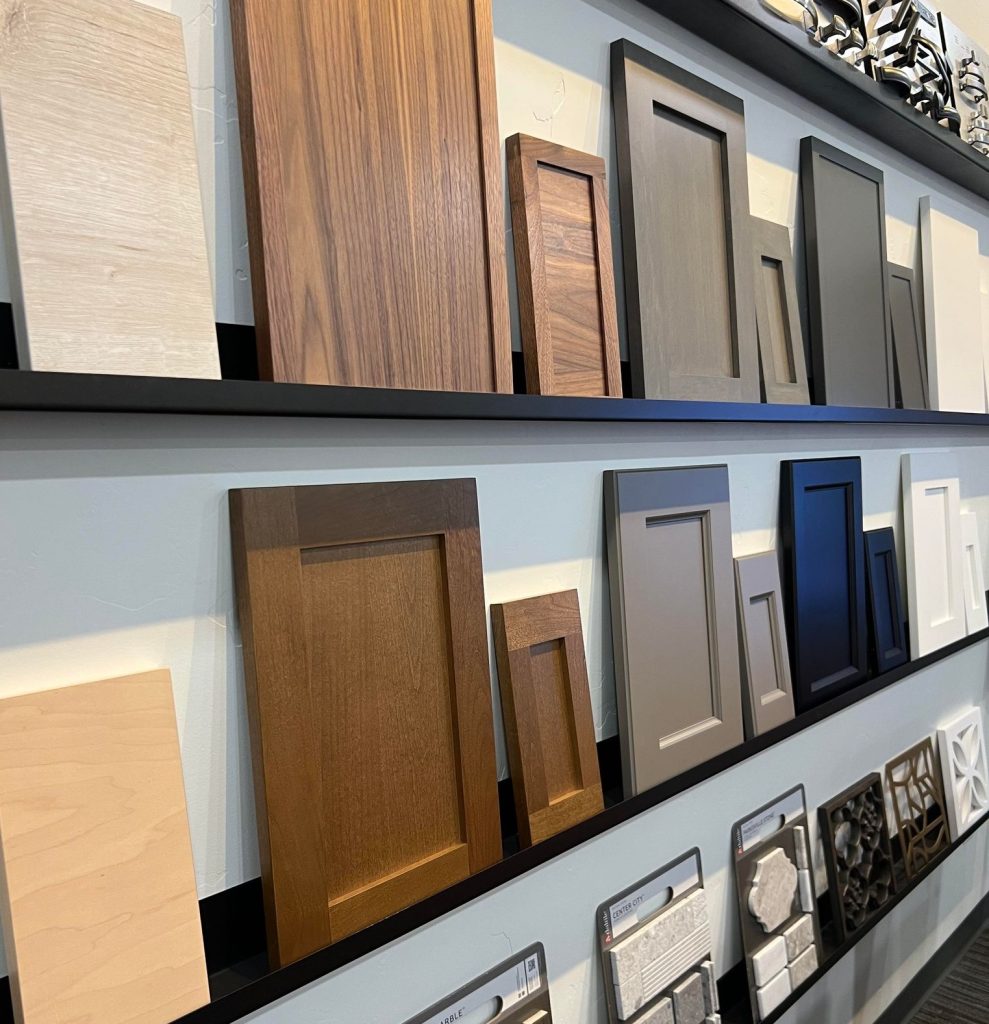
683	187
661	1013
711	998
803	967
771	995
767	690
688	1001
673	619
909	343
769	960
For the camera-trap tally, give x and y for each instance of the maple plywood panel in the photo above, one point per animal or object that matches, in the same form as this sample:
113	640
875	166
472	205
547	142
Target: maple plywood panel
101	915
101	200
373	185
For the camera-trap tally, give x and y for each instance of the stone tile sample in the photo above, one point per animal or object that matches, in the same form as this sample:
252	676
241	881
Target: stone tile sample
773	889
715	1018
769	960
806	891
799	936
661	1013
800	847
710	979
688	1000
770	996
803	967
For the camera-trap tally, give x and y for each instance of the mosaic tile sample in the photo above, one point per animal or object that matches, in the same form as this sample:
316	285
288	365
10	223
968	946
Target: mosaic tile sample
773	889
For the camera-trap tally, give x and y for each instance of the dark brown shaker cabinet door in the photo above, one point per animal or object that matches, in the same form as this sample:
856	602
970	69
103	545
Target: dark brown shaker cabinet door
848	300
909	342
373	179
366	660
683	185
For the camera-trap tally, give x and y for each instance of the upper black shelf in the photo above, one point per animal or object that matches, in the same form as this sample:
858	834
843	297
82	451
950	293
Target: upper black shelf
746	30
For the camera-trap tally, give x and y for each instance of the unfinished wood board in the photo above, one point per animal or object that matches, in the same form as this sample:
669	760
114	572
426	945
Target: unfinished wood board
101	204
976	617
373	179
686	235
952	311
915	791
781	341
673	619
909	346
365	652
566	281
546	704
101	918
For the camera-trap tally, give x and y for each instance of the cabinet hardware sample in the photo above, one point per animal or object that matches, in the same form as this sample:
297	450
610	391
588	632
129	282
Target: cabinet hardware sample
918	806
887	616
962	746
909	345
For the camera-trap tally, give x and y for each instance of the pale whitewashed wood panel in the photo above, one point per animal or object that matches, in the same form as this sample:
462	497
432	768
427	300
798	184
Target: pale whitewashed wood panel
976	615
102	200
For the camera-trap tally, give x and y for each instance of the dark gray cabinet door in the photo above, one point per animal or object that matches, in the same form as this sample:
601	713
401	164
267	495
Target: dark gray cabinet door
683	185
909	343
845	238
673	619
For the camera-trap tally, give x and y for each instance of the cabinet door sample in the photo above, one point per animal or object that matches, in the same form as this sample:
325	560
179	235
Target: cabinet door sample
845	238
952	311
932	527
547	709
976	617
373	180
767	692
673	619
823	576
101	206
887	616
101	918
365	654
781	341
683	185
908	339
563	264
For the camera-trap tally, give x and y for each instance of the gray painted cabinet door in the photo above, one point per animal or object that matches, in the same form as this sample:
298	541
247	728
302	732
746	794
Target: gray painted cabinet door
673	619
909	341
683	186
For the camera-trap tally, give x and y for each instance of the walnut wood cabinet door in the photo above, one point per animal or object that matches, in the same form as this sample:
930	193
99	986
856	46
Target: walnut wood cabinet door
365	651
683	186
908	339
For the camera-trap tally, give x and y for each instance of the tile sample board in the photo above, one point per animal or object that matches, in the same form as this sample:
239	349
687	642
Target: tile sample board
374	197
366	663
781	341
566	282
887	616
976	617
101	202
824	576
932	526
673	619
100	912
962	746
546	703
686	232
845	239
952	311
767	690
917	797
909	342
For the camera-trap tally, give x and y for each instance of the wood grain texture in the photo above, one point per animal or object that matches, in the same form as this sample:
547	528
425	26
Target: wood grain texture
563	264
365	651
549	724
101	919
373	182
101	205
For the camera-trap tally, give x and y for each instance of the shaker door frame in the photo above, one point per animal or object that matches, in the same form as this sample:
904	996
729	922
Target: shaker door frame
885	601
909	345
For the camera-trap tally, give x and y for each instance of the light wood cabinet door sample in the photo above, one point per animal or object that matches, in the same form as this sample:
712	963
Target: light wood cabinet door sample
932	526
781	341
952	311
374	199
767	690
824	576
101	918
845	238
908	339
673	619
365	652
101	205
563	265
546	703
686	236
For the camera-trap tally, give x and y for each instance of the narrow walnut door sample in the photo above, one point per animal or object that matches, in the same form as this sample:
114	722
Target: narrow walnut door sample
547	707
102	208
101	918
563	264
365	653
374	195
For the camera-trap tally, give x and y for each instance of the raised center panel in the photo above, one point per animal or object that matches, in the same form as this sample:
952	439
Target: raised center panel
554	710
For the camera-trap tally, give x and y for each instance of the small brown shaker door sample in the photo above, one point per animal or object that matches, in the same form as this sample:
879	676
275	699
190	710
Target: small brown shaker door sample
563	264
547	709
365	652
374	197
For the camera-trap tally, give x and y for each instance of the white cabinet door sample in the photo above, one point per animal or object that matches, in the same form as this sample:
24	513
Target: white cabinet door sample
976	616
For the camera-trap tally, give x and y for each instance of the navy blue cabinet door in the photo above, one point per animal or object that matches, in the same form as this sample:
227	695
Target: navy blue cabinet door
887	633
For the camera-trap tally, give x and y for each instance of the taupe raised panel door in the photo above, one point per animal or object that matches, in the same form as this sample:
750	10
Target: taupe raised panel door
673	619
683	185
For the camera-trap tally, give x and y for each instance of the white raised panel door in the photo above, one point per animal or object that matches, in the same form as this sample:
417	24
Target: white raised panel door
976	616
952	311
933	527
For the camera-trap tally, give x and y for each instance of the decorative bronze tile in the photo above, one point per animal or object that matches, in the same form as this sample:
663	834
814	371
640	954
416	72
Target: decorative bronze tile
918	803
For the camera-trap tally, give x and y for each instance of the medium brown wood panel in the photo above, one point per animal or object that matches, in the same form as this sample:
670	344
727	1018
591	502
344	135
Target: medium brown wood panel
362	610
547	709
564	269
373	182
